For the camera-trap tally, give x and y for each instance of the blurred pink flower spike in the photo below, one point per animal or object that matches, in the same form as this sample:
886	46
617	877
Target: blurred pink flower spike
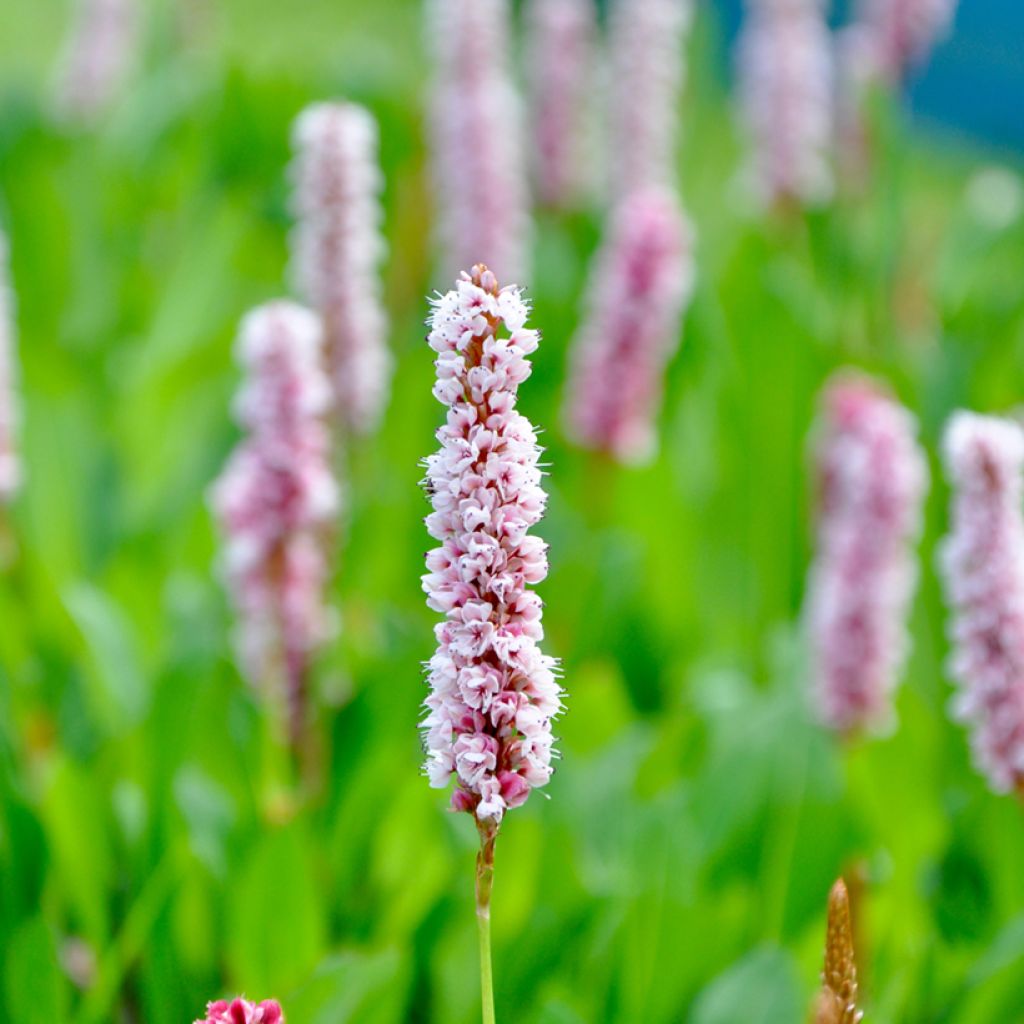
241	1011
277	502
476	139
337	247
786	88
647	39
563	63
100	52
982	563
872	482
904	32
493	693
640	285
10	406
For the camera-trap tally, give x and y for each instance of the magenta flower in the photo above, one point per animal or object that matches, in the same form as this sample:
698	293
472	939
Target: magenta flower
647	69
277	501
982	563
337	247
476	139
10	410
786	86
641	283
492	692
561	47
904	32
241	1011
98	56
872	479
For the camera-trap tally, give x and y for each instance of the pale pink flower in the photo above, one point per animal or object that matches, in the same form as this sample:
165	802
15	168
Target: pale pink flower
241	1011
476	138
640	285
982	563
648	64
100	51
786	87
337	247
10	406
277	501
492	692
561	45
872	479
905	31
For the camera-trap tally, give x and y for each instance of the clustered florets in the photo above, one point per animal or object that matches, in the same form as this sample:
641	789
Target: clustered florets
786	87
647	67
277	500
903	32
479	162
642	281
98	55
337	247
983	566
493	693
562	73
10	463
872	480
241	1011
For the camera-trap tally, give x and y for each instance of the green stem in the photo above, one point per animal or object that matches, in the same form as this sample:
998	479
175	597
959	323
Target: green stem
484	884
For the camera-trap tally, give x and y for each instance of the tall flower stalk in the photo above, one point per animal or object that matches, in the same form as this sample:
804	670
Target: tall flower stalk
639	288
786	85
493	693
982	563
10	409
476	138
277	502
562	44
337	247
101	48
647	68
241	1011
872	479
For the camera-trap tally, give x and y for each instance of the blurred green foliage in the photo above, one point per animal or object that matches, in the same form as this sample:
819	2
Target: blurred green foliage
680	869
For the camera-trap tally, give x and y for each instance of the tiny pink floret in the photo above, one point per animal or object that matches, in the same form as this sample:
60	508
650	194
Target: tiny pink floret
337	247
872	479
904	32
642	281
982	563
241	1011
493	693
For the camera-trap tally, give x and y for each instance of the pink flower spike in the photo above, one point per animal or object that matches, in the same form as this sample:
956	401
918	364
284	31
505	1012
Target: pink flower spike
640	285
872	481
905	31
277	501
982	563
647	70
98	56
562	50
241	1011
786	87
492	692
10	409
476	138
337	247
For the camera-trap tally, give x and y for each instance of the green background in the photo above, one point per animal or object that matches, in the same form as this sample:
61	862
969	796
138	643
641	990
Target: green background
679	870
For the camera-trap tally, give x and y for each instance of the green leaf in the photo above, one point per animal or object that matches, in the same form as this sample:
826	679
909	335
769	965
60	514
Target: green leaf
35	988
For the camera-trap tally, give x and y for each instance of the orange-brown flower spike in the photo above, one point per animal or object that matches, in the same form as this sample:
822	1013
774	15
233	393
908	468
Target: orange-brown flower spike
837	1003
